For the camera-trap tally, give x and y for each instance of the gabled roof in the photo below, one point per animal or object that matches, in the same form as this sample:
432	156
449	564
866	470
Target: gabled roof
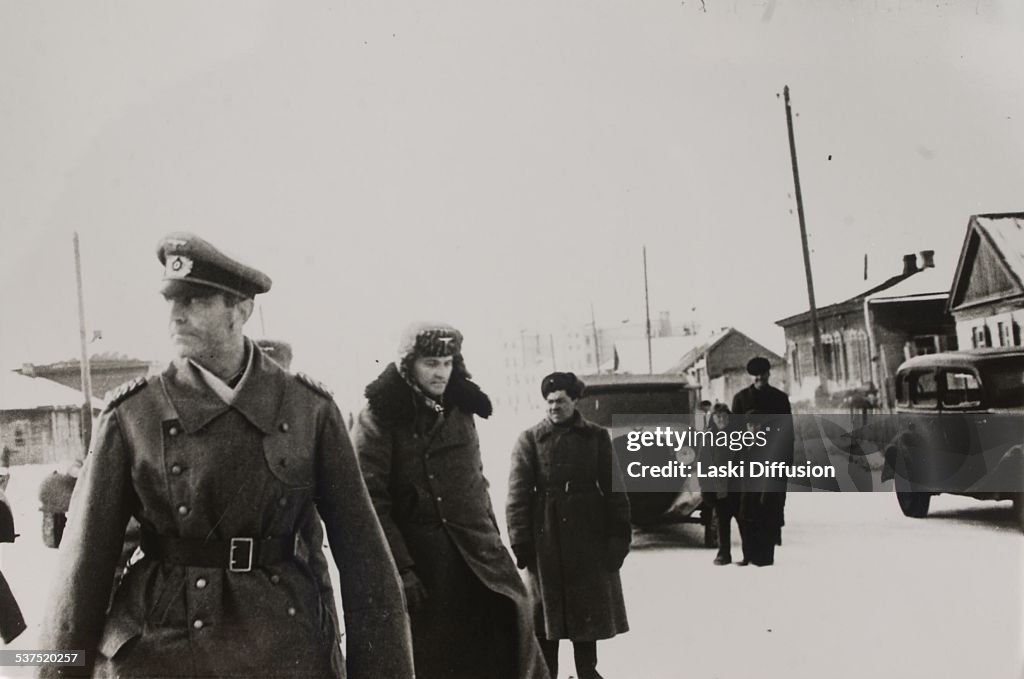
695	354
998	240
665	353
18	392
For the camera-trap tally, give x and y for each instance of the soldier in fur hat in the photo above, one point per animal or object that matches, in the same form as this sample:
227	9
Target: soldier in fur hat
419	453
568	526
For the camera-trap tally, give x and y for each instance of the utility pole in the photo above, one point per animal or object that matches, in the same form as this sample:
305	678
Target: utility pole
820	365
647	307
86	373
597	345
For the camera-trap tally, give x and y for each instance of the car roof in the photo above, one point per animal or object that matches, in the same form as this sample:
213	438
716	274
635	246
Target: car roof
604	384
953	359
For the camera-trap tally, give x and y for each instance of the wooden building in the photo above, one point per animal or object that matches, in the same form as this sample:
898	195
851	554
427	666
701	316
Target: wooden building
719	365
864	338
987	297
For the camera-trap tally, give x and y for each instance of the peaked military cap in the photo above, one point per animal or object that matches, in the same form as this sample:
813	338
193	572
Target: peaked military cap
189	261
567	382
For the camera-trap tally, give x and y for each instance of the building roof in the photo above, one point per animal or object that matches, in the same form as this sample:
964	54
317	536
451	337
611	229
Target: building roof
665	353
18	392
1004	235
931	283
923	283
698	352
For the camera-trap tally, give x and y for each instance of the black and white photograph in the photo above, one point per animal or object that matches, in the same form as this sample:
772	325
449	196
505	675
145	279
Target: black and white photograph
576	340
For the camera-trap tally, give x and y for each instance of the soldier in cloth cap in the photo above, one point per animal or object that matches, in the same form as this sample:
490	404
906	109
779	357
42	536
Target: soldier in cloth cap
419	452
223	460
568	527
761	514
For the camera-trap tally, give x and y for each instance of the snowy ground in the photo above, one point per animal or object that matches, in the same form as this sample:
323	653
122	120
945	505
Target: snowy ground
857	590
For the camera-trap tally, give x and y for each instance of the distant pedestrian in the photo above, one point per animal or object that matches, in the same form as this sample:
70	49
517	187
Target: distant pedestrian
762	508
722	494
569	527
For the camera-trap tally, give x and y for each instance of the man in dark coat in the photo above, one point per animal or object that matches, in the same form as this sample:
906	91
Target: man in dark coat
223	460
568	527
419	453
761	514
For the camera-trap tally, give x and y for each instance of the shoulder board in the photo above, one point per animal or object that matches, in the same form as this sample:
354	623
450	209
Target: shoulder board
126	390
318	387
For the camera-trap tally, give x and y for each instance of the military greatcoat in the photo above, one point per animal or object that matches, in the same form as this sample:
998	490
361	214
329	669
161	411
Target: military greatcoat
561	500
425	475
191	468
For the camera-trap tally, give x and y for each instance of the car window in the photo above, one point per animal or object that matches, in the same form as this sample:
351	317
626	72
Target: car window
599	408
1004	381
924	390
962	389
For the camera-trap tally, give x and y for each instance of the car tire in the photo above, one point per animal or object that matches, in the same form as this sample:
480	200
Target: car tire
912	504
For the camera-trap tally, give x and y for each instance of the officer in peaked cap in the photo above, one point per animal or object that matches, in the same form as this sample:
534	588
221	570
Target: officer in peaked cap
224	460
190	261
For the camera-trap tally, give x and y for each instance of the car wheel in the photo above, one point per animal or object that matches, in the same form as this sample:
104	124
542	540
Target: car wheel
915	505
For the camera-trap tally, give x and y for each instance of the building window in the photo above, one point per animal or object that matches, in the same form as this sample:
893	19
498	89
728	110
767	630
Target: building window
980	337
19	436
925	344
1005	334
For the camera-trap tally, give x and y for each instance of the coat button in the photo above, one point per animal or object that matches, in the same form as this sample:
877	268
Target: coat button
282	501
201	583
176	469
275	578
284	427
291	611
439	498
198	624
182	510
444	520
173	431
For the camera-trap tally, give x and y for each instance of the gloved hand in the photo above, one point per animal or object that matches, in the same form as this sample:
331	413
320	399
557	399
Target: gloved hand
526	554
415	593
615	554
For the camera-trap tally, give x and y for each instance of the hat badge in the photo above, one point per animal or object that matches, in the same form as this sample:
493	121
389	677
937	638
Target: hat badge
178	266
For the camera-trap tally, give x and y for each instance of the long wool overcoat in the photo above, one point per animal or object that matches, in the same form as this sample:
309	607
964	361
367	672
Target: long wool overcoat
424	472
186	465
764	502
561	500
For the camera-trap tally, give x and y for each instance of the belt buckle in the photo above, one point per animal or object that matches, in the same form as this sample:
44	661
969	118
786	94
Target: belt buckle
236	543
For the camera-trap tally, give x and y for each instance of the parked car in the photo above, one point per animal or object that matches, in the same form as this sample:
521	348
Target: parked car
961	429
609	395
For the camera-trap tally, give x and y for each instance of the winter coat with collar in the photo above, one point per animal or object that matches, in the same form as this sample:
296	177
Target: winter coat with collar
425	475
186	465
561	500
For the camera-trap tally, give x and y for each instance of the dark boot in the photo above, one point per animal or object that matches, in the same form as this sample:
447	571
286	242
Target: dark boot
585	654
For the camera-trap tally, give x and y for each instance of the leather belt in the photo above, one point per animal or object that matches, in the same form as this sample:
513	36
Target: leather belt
238	555
571	487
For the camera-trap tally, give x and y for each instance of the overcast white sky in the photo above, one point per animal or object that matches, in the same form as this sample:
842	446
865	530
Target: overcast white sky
491	163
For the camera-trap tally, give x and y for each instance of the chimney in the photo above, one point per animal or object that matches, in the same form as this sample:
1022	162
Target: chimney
926	259
909	264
